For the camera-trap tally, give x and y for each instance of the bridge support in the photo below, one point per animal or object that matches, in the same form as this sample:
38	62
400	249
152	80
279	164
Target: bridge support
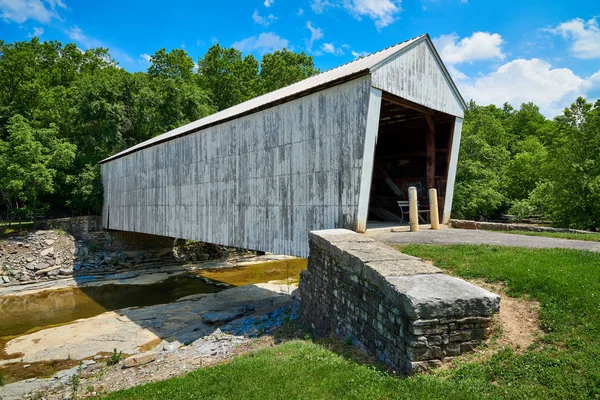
394	306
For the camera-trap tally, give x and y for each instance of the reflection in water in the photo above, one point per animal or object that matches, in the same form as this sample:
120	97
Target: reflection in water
22	314
282	271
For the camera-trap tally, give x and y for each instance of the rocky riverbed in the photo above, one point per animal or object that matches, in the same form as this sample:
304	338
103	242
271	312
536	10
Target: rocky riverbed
192	332
73	323
45	255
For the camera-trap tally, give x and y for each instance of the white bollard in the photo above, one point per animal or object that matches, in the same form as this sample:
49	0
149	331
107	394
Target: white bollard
413	209
434	215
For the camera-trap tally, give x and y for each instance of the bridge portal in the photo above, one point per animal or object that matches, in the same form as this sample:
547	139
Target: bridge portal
322	153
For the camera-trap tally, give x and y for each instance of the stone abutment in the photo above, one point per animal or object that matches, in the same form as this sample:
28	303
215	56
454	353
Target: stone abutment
394	306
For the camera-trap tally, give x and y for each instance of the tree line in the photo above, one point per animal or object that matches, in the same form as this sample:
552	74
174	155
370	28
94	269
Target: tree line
519	163
63	109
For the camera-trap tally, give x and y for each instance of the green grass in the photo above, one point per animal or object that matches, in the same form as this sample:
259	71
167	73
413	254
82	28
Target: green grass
566	366
589	237
14	227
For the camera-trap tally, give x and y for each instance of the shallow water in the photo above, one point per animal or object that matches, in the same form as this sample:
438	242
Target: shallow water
26	313
279	271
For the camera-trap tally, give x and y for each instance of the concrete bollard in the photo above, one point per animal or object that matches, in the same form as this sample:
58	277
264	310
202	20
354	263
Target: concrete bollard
434	215
413	209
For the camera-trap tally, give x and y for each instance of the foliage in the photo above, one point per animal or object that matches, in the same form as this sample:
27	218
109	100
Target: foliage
229	77
31	159
519	162
483	153
1	379
284	67
572	193
115	357
565	364
64	99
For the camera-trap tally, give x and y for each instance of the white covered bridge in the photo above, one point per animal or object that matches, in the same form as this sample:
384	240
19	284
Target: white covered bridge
333	151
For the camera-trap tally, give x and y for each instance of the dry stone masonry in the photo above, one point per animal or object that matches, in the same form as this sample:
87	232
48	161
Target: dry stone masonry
397	307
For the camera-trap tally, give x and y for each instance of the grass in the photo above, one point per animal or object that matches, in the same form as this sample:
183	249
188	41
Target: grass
6	230
589	237
565	366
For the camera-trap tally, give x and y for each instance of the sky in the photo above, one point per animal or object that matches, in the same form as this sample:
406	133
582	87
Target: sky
543	51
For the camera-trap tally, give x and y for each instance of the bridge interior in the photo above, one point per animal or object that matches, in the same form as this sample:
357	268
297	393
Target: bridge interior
413	149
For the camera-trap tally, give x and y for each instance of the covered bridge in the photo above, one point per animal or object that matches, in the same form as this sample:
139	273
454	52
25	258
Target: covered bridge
332	151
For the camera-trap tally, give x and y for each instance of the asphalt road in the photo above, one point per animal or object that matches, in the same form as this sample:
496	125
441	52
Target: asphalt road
465	236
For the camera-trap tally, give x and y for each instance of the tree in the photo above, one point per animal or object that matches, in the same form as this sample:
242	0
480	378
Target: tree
572	189
483	153
174	64
228	77
30	159
284	67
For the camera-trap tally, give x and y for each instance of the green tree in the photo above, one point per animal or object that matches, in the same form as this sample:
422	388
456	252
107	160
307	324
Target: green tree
228	77
572	190
483	153
284	67
30	159
174	64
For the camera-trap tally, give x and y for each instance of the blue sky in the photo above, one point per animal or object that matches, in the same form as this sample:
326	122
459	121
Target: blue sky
543	51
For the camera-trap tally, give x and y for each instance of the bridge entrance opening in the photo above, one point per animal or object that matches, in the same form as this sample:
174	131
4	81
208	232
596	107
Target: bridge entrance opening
413	149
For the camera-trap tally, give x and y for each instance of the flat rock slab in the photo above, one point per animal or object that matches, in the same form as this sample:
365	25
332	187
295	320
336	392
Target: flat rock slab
130	328
140	359
438	295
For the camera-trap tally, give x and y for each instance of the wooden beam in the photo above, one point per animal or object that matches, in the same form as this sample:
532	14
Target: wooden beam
430	122
430	143
406	103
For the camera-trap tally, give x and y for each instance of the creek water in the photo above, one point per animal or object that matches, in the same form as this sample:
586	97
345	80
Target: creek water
28	313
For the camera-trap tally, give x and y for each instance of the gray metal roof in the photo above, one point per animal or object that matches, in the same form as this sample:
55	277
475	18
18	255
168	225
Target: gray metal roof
355	68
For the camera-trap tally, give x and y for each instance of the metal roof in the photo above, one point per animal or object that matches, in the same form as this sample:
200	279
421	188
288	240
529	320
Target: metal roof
355	68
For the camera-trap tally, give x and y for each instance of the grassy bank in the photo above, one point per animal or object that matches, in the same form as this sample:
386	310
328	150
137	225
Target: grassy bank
588	237
565	365
6	229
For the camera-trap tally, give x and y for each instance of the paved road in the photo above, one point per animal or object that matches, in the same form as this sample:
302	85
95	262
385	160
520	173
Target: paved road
464	236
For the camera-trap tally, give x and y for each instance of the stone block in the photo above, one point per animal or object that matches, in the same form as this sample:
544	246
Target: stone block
140	359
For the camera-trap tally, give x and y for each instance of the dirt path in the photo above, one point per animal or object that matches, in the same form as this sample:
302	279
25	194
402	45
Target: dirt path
464	236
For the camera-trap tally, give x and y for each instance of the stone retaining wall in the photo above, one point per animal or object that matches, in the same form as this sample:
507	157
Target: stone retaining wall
397	307
79	227
499	226
89	229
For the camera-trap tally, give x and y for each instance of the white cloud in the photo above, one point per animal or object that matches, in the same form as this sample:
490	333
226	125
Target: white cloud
383	12
37	32
145	58
263	43
315	34
264	21
76	34
359	54
331	49
20	11
300	12
268	3
525	80
318	6
478	46
585	37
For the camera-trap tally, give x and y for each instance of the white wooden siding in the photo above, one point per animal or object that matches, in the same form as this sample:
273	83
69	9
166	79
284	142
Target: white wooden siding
261	181
416	75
